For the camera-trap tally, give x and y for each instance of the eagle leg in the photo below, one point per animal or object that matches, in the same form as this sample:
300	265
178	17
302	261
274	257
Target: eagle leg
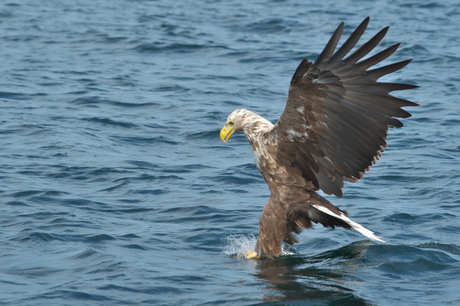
272	230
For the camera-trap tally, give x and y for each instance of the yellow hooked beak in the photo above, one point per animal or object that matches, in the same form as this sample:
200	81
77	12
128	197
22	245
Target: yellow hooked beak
225	133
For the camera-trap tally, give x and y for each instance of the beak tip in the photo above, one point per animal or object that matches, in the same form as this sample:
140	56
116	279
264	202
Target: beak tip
225	134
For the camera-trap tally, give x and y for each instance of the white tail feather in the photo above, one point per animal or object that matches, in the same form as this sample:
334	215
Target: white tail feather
358	227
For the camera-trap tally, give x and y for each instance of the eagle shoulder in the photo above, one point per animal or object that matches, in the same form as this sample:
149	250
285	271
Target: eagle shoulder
274	168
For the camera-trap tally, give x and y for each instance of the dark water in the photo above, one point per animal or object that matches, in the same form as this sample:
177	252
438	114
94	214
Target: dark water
116	189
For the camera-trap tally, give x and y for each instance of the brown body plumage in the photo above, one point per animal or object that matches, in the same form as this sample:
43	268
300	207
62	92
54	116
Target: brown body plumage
332	130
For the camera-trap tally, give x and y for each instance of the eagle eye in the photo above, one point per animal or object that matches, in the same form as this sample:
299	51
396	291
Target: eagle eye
231	123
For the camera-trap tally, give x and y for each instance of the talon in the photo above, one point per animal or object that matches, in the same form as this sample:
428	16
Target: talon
252	254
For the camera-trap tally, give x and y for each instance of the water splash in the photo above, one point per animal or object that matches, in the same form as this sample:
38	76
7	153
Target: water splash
240	245
287	249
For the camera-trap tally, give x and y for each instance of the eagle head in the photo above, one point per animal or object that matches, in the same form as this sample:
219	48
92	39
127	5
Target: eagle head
235	123
246	121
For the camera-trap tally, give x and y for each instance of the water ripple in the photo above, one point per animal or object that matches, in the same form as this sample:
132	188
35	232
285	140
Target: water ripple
117	189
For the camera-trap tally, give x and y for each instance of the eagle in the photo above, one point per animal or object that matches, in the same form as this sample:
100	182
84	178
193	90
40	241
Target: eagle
333	128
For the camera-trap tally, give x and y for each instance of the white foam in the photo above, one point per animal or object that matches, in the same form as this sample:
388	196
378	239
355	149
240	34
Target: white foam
240	245
286	249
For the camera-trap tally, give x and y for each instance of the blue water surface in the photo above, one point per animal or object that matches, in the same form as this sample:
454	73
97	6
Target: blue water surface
116	189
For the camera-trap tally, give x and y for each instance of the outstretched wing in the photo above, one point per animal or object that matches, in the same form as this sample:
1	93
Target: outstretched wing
337	115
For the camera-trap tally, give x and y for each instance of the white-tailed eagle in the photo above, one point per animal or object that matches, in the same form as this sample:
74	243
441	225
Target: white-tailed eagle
332	130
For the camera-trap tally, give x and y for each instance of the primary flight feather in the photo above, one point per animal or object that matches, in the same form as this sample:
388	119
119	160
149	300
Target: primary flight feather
332	130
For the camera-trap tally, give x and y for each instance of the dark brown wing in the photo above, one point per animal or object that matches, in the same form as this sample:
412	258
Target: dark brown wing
337	115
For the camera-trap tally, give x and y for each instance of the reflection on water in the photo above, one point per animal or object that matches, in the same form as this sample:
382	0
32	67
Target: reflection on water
322	278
